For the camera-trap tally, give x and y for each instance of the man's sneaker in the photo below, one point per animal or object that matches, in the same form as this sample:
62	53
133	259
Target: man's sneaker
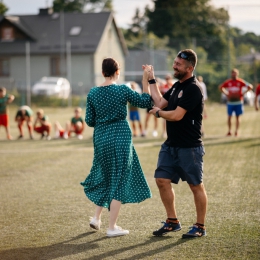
167	227
48	138
117	231
195	231
20	137
94	223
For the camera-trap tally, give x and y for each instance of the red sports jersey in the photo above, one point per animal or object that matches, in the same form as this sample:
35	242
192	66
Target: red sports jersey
257	91
235	89
164	88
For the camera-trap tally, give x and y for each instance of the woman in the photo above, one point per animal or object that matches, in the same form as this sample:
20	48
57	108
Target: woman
116	176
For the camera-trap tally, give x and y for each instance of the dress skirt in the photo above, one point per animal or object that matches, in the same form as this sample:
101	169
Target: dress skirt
116	172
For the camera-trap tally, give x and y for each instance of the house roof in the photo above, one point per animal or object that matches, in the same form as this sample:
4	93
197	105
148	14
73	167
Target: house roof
49	32
249	58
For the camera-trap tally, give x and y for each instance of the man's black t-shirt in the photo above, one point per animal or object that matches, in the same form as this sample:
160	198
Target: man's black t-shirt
187	131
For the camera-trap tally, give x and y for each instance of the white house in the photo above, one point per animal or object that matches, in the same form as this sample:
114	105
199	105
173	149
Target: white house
54	39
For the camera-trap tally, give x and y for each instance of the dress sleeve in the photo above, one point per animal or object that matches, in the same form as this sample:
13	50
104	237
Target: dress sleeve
143	100
90	113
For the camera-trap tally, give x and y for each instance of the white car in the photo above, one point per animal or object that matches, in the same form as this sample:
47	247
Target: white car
52	86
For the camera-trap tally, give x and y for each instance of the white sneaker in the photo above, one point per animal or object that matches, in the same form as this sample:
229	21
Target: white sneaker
80	137
48	138
117	231
94	223
57	135
65	135
155	134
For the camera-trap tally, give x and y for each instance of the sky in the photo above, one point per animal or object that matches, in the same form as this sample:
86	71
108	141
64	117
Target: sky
244	14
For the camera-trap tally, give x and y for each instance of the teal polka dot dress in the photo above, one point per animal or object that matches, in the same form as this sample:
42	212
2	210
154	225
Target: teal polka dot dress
116	172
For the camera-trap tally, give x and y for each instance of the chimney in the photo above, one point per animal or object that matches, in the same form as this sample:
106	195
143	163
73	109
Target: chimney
45	11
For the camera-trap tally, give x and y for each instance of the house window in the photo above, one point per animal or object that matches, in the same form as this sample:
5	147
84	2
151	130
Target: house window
4	67
55	66
7	34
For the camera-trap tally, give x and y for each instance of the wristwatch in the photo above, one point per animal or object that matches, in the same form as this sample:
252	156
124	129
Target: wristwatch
157	113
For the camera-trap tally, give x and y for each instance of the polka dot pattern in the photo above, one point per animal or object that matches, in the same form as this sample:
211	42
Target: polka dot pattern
116	172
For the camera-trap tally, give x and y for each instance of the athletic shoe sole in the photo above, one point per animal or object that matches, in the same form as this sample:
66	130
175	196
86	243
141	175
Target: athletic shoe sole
93	226
175	230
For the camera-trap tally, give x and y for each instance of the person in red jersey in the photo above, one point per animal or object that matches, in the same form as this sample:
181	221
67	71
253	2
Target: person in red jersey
257	97
234	90
4	118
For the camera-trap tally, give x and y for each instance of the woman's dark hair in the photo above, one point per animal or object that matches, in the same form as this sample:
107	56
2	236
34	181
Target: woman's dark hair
109	67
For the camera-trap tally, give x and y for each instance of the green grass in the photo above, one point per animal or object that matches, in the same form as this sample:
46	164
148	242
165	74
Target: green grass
44	213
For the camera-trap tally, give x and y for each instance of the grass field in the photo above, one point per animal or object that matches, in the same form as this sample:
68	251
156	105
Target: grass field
44	213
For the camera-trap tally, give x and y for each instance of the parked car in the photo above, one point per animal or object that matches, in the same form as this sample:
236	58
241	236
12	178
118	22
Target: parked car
249	97
52	86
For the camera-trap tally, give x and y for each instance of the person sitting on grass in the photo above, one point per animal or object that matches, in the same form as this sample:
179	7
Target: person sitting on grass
45	126
4	118
24	113
76	125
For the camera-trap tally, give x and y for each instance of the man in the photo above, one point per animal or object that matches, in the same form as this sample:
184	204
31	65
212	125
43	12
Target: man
5	99
233	89
24	113
257	97
181	154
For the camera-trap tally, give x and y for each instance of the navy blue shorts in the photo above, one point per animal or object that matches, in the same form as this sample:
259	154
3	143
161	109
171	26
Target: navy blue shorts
238	109
177	163
134	116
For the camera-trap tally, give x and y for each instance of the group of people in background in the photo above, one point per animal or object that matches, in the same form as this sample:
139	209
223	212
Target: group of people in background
233	88
41	125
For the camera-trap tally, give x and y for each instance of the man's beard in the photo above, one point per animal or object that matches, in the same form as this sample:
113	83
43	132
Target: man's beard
179	75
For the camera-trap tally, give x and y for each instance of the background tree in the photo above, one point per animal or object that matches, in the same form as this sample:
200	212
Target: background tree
3	8
137	37
190	22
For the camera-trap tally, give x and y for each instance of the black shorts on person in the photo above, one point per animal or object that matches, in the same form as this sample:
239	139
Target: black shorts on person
177	163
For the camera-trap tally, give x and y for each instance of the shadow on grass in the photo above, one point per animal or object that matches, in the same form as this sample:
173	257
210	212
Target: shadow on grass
233	141
50	252
253	145
65	249
141	255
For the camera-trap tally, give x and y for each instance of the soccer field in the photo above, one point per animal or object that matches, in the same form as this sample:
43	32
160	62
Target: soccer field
44	213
